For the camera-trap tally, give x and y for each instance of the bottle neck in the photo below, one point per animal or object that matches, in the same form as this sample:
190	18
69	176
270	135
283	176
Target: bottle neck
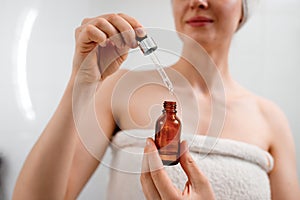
170	108
167	111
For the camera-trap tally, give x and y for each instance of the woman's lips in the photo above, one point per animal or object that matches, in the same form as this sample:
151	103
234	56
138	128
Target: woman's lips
199	21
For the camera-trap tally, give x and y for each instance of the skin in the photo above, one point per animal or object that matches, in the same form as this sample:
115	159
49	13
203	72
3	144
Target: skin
157	185
59	165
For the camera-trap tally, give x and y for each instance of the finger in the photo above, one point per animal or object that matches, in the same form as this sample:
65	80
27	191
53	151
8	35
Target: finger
91	34
80	28
187	189
140	32
148	186
159	176
110	31
125	28
195	176
86	20
155	162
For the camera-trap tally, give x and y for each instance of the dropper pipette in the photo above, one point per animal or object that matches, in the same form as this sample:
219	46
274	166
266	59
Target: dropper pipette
148	46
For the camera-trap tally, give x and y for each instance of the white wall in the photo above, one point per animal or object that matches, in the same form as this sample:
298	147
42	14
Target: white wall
37	43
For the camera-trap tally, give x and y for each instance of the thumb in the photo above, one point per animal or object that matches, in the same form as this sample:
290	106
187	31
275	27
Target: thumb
194	174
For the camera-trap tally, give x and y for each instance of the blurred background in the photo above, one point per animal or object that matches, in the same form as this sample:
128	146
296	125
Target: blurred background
37	45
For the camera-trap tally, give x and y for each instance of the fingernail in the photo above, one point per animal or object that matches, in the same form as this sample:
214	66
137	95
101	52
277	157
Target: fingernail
155	162
140	32
103	44
185	148
134	44
148	143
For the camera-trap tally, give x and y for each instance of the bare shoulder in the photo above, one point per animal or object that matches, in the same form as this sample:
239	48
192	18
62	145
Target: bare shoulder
281	145
274	119
282	141
270	111
274	116
282	149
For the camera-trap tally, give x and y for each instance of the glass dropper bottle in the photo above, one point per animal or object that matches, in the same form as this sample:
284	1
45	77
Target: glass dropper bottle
167	134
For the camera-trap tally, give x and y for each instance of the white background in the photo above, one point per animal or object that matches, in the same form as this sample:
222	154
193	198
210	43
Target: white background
37	44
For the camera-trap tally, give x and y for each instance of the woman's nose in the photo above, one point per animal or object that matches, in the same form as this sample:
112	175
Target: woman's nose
203	4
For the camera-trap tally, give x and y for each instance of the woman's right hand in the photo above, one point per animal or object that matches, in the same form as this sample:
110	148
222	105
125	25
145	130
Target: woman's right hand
102	45
157	185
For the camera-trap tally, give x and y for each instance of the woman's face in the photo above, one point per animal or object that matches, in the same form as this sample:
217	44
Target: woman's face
209	22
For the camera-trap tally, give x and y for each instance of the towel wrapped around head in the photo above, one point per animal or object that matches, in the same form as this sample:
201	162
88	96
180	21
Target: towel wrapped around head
249	7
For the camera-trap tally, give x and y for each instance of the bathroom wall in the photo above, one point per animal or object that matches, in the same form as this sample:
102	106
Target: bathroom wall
37	44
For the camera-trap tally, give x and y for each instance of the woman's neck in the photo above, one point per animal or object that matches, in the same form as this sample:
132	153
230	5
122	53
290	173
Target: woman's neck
205	71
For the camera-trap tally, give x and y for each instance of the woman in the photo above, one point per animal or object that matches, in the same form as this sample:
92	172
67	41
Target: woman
59	165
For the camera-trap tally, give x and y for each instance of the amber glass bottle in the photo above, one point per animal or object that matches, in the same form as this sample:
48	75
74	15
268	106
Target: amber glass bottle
167	134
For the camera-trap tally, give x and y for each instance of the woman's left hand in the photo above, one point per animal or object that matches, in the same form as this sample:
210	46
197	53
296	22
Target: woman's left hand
157	185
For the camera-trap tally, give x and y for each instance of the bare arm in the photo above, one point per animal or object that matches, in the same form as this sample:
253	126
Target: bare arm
283	178
46	170
59	165
84	164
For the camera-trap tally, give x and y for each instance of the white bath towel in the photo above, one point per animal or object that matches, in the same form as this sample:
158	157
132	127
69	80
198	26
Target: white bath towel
236	170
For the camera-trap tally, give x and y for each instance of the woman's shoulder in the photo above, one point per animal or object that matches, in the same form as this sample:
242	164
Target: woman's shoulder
278	127
268	108
273	115
270	111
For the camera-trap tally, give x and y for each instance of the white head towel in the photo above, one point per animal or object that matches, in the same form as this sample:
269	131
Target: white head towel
249	7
